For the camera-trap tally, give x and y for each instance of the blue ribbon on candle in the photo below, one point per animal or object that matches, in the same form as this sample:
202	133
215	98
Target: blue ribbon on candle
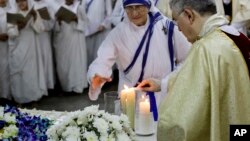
153	106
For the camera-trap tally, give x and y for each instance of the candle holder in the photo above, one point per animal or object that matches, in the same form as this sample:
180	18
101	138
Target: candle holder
112	102
144	121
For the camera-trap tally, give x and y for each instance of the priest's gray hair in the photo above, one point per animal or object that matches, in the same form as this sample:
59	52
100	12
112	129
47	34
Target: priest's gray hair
203	7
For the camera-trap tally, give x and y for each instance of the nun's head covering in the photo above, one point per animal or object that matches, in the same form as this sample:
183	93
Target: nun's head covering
11	6
146	3
30	5
8	4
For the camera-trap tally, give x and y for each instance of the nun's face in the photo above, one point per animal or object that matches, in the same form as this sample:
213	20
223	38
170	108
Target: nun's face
22	4
69	2
137	14
2	3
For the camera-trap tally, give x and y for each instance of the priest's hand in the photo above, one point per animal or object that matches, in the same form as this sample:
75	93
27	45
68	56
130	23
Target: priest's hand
98	80
149	85
4	37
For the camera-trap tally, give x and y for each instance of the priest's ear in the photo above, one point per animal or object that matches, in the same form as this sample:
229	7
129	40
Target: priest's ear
189	14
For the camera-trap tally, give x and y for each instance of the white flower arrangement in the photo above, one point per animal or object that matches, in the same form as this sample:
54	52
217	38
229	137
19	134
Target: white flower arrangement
91	124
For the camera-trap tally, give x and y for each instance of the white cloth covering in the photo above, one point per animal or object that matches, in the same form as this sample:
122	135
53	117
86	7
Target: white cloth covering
25	60
70	52
120	45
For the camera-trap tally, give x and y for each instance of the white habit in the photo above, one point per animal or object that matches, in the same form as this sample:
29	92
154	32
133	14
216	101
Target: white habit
97	18
25	61
70	51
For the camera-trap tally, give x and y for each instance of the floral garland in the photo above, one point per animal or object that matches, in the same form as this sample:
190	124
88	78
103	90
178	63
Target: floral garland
15	125
91	124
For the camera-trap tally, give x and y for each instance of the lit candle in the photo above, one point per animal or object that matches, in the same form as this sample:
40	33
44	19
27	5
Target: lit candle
144	107
128	103
144	119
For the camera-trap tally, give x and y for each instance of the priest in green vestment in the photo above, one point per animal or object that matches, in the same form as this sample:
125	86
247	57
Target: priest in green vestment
211	90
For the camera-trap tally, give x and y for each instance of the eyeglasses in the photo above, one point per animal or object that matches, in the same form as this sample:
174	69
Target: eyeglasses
176	17
137	8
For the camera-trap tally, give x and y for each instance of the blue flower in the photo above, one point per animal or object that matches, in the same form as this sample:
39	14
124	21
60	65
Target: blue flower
30	128
2	123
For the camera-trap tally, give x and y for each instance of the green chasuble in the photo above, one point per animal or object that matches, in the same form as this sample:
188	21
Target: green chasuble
210	91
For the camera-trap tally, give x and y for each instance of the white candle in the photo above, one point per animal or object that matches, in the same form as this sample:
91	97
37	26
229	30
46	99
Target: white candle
144	119
144	107
128	103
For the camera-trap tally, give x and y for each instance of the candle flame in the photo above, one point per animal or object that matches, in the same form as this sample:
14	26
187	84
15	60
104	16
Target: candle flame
125	87
143	97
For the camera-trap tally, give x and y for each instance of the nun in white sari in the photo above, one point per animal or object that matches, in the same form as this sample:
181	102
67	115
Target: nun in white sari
45	43
25	60
5	6
99	25
121	46
70	49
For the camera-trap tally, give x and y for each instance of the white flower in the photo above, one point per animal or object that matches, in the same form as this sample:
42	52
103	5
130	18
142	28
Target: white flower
72	138
71	131
1	112
125	120
90	125
116	123
101	125
101	113
103	137
82	119
90	136
10	118
111	138
92	109
60	128
10	131
51	133
108	116
123	137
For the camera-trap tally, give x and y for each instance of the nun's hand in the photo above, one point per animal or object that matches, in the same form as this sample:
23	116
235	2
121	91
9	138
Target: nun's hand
33	13
4	37
101	28
98	80
59	20
21	24
75	19
149	85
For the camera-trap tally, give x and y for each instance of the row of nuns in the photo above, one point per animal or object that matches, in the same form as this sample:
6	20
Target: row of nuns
42	41
37	49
